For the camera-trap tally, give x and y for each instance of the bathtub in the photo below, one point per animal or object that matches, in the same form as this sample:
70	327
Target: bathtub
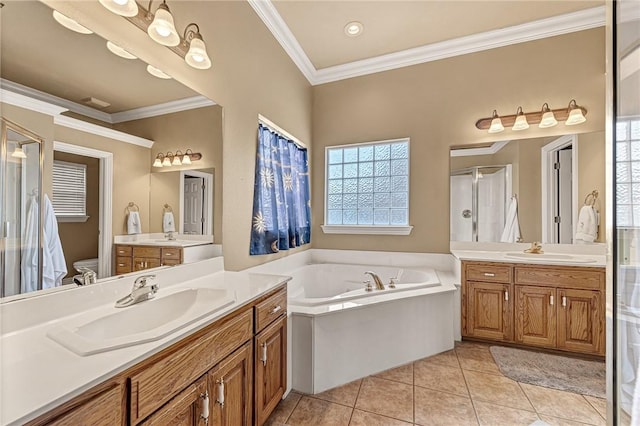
333	283
340	332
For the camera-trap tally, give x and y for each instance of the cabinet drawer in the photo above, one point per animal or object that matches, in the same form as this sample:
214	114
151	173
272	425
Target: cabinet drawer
488	272
554	276
153	252
123	265
270	309
123	250
170	262
171	253
162	379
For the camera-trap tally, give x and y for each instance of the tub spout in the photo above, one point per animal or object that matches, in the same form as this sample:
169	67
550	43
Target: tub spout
376	279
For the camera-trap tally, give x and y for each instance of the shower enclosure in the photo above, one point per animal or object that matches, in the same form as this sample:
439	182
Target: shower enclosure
21	217
479	200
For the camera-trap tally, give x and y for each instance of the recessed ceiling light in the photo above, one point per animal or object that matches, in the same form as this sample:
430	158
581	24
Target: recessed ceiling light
353	29
157	73
70	23
117	50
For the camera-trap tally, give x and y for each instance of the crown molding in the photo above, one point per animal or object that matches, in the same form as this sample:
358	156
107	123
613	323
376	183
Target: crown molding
94	129
29	103
535	30
161	109
55	100
468	152
280	30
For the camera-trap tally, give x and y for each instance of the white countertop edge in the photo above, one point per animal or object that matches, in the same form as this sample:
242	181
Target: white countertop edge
140	352
499	256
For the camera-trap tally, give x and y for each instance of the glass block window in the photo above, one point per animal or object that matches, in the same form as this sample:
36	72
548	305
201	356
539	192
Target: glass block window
628	172
368	184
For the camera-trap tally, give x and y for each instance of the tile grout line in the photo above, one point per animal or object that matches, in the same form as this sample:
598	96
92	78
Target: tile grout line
593	406
294	408
535	410
353	409
473	405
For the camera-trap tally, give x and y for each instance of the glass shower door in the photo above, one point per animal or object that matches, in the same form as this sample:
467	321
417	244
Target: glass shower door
20	213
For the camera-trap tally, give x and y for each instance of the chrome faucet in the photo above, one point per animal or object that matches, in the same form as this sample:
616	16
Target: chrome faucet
536	248
376	279
88	277
140	292
170	236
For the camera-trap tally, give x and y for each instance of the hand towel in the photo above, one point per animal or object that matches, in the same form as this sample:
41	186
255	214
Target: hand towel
587	229
133	223
168	224
511	232
54	267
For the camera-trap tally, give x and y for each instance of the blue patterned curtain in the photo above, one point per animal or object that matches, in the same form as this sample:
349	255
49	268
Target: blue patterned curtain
281	201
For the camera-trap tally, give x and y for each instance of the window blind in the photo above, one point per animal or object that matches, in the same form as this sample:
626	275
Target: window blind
69	188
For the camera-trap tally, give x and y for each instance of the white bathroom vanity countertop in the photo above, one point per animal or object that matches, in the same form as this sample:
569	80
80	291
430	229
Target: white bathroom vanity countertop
511	256
37	374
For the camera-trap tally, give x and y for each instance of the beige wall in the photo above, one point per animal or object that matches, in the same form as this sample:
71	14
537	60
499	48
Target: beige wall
80	239
437	104
198	129
251	75
591	154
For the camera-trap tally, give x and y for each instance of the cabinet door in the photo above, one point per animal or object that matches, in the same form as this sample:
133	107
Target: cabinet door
188	408
489	311
141	263
270	368
581	321
231	389
535	316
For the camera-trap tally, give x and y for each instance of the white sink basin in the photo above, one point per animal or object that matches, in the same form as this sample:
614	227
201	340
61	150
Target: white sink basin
553	257
141	323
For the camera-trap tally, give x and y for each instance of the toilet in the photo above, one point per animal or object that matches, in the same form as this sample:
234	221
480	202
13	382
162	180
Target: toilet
86	264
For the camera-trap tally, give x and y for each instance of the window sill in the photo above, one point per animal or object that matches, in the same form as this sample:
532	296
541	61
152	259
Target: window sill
72	218
366	230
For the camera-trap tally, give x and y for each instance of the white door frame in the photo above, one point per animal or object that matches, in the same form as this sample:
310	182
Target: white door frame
105	219
208	200
547	152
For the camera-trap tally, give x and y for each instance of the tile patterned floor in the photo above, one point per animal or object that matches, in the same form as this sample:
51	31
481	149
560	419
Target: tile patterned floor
460	387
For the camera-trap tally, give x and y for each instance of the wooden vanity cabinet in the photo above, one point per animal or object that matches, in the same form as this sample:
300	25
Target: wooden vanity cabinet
556	307
185	409
131	258
231	384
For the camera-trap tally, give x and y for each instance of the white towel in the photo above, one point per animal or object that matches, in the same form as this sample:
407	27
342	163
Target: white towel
511	232
168	224
29	263
54	267
133	223
587	230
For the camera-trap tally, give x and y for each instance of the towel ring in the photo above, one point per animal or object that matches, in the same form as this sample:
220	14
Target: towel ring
131	207
167	209
594	197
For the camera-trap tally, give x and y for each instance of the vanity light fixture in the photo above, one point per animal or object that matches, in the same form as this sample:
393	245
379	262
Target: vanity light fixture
157	73
548	119
521	120
197	55
545	118
70	24
496	123
127	8
575	114
170	159
119	51
18	152
162	29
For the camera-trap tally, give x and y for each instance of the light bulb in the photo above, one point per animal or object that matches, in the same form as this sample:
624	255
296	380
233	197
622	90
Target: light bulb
18	152
127	8
197	55
496	123
521	121
162	30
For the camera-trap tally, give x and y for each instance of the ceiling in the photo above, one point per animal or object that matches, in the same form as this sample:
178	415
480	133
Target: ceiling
37	52
393	26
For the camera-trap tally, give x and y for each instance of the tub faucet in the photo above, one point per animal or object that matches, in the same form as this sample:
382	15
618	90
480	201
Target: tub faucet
376	279
140	292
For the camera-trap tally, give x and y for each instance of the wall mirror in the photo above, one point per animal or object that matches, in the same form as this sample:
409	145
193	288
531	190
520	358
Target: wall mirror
80	73
549	179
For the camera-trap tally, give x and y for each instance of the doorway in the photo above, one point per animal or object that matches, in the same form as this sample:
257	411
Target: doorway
196	203
559	190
